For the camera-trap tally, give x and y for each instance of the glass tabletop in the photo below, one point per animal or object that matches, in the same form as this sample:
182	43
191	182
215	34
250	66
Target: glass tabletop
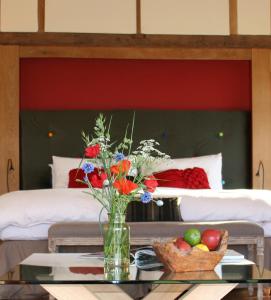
60	268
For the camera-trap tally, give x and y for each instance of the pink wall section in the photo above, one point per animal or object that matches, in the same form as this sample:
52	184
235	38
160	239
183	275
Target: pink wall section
64	83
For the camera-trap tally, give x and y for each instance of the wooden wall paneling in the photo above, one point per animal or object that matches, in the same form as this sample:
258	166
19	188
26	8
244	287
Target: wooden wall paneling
261	115
9	116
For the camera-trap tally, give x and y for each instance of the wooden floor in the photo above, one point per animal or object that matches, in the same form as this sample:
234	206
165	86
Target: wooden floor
242	294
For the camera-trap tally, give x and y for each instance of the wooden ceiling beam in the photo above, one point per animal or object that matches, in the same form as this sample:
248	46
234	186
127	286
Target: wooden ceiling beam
134	40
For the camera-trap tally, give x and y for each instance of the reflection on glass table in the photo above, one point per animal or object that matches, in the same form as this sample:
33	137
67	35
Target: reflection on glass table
64	274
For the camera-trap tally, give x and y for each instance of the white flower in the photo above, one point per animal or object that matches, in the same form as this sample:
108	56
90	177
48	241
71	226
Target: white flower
106	182
159	203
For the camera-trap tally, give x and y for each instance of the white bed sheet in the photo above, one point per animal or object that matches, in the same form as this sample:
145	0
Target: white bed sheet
27	215
40	232
27	209
267	228
214	205
15	233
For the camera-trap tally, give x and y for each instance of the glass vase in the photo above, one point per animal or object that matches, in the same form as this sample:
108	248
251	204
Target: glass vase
116	248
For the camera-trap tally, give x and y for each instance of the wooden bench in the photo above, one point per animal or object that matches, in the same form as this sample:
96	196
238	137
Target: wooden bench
144	233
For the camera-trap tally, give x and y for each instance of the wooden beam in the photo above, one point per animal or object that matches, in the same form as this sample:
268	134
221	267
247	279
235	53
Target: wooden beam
261	121
9	116
41	15
0	14
138	16
133	40
135	52
233	17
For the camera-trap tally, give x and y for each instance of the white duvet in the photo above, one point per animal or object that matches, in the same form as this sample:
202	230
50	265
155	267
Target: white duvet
29	214
24	211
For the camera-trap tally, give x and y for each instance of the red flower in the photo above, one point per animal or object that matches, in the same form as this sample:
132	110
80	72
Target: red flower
122	167
125	186
92	151
97	178
151	183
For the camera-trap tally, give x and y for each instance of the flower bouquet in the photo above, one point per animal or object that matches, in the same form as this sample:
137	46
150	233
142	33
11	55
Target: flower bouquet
113	175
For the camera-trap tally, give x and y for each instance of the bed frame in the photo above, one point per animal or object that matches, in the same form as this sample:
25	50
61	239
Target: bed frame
180	133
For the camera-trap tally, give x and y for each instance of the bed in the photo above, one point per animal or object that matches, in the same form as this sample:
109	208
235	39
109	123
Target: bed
26	215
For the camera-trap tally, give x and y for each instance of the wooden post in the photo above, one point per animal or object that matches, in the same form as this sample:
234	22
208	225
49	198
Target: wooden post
261	117
9	118
41	15
233	17
138	16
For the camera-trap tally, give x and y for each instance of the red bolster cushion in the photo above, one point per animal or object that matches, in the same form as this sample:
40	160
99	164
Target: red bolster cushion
191	178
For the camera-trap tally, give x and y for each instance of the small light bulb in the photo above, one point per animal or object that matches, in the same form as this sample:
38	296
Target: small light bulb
50	134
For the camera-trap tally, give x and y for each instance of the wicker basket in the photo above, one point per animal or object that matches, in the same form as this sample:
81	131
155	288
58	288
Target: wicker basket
196	260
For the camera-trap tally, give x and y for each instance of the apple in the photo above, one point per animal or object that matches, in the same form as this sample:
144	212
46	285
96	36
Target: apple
182	245
211	238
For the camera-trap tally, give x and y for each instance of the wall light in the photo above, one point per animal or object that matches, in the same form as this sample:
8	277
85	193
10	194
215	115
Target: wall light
259	171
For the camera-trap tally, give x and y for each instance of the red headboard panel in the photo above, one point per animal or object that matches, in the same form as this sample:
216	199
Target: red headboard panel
65	83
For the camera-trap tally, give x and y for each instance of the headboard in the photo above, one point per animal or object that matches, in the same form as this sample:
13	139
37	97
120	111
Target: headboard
180	133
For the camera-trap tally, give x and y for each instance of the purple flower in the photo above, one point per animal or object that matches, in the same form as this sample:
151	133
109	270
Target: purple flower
119	156
146	197
88	167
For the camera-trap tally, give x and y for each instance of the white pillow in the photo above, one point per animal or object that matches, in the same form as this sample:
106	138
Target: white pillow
61	167
212	164
52	174
60	170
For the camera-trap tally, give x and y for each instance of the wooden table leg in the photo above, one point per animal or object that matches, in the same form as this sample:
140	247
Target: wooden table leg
167	291
209	291
162	291
86	292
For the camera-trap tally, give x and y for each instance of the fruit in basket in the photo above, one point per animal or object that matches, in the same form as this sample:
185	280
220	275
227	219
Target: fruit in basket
202	247
182	245
176	261
211	238
192	236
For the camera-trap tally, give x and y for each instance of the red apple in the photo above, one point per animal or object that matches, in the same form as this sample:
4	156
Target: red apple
211	238
182	245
